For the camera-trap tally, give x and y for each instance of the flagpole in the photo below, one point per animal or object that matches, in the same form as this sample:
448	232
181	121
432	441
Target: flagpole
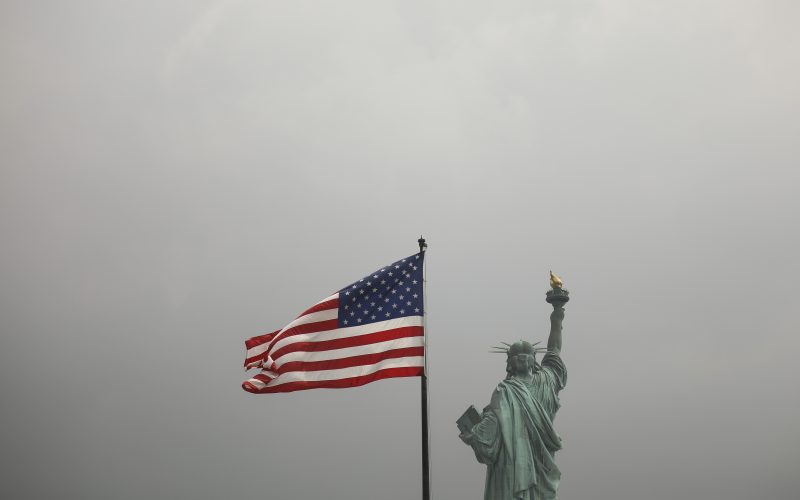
426	480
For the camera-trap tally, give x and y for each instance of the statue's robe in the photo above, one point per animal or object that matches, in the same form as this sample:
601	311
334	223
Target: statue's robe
516	439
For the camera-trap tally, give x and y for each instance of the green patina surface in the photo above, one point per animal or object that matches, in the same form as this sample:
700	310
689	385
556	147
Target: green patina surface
515	436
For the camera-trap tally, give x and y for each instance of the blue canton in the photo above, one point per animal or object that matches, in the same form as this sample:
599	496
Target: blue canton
394	291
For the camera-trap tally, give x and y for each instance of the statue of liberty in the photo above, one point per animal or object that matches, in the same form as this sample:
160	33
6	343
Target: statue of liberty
515	436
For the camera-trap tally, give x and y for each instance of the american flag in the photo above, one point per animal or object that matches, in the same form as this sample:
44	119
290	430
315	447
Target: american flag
369	330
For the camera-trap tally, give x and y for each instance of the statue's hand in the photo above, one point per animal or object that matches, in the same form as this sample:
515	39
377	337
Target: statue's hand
466	437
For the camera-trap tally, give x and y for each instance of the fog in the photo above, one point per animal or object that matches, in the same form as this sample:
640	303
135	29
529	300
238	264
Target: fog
177	177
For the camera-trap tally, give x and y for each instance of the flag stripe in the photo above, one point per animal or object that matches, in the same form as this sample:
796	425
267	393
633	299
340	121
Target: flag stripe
343	343
261	339
259	352
408	371
349	372
257	349
331	302
370	345
303	330
349	362
316	316
413	371
262	343
339	333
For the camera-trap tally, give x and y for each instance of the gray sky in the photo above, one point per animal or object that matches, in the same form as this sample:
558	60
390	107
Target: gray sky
179	176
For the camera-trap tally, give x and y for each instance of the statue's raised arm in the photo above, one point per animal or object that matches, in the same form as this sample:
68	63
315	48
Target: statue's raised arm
556	320
557	296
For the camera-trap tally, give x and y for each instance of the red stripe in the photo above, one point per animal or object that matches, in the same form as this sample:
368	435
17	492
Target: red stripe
370	338
261	339
263	378
296	330
410	371
364	359
322	306
257	357
318	326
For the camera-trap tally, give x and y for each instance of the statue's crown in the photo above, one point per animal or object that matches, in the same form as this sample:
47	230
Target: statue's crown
520	347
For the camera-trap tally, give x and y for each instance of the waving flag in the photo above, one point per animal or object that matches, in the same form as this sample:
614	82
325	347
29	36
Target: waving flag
369	330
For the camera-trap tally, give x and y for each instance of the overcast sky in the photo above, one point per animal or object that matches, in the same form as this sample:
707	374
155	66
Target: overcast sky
179	176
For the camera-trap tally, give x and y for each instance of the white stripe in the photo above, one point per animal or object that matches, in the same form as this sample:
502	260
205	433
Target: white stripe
254	351
261	347
257	383
353	331
341	373
314	317
258	349
334	296
348	352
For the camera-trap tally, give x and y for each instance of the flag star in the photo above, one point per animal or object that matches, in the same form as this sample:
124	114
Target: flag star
403	260
386	299
416	309
372	317
352	313
390	274
415	295
415	268
416	256
369	283
345	322
358	305
355	286
401	283
397	267
346	307
408	290
383	282
394	306
408	303
401	297
374	290
394	291
414	282
380	295
388	314
359	320
402	311
396	280
361	280
366	312
353	299
372	304
374	275
361	291
347	292
380	308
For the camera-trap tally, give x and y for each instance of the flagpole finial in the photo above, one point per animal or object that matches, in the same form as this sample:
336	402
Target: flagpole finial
422	244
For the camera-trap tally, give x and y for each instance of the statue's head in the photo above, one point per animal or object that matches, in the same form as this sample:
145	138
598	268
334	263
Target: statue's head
521	358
